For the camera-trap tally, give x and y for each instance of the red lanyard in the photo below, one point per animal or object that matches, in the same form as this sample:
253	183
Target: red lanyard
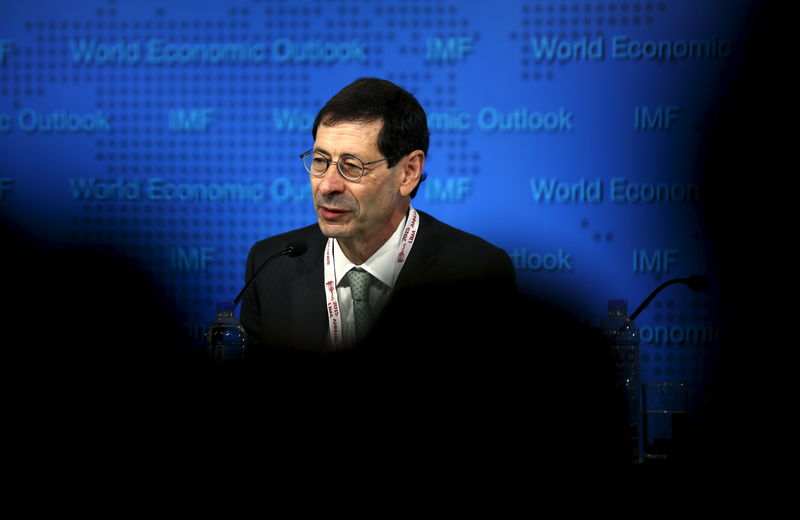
334	315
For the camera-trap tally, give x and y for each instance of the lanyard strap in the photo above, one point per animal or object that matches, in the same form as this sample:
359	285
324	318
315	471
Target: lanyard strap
332	297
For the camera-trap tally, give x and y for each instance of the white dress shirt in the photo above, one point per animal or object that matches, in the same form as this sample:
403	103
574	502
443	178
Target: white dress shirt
380	265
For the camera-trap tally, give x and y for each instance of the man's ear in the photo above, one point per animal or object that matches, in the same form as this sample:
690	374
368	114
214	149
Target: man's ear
412	171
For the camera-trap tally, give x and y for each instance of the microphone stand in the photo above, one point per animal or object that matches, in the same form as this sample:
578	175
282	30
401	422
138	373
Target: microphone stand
293	249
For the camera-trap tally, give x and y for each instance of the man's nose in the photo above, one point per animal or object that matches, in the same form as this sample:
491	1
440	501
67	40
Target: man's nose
332	183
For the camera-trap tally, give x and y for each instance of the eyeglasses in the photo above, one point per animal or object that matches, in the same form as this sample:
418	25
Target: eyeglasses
351	167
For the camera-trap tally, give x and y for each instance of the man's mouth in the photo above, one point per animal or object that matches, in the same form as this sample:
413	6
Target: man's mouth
331	213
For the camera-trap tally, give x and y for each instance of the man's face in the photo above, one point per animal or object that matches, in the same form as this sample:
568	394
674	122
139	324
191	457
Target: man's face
357	212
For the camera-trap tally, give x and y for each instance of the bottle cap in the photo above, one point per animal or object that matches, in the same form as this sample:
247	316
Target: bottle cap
225	306
618	306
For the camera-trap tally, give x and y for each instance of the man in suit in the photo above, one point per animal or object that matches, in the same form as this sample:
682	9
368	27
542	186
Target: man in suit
370	144
450	349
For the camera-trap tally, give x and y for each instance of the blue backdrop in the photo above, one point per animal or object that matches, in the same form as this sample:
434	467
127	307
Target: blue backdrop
583	137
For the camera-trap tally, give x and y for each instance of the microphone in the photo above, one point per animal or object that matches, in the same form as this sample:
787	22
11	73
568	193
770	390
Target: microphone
292	249
296	248
695	282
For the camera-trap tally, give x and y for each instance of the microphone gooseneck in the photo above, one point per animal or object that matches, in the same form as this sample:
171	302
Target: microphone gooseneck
695	282
292	249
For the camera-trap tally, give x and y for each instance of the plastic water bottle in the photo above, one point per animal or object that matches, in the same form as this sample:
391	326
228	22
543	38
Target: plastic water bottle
623	336
226	339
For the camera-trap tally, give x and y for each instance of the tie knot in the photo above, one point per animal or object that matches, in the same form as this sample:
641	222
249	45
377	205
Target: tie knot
359	283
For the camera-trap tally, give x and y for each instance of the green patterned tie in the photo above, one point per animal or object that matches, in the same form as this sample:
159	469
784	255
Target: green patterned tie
360	281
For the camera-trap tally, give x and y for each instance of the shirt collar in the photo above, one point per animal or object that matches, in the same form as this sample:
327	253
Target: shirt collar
380	264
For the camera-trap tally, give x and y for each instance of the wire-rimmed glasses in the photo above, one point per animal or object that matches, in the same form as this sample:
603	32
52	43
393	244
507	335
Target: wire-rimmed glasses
351	167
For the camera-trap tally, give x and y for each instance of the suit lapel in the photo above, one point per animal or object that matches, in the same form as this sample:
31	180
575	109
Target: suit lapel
309	313
422	256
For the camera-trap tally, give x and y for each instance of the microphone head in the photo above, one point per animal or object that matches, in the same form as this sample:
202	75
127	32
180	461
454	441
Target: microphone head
697	282
296	248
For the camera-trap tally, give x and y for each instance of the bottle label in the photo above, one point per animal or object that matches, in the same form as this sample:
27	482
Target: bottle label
624	354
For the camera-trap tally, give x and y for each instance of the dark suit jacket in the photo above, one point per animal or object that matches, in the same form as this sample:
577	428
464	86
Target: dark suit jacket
457	354
286	308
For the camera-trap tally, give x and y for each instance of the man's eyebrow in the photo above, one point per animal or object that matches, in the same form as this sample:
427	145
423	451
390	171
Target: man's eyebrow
320	150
